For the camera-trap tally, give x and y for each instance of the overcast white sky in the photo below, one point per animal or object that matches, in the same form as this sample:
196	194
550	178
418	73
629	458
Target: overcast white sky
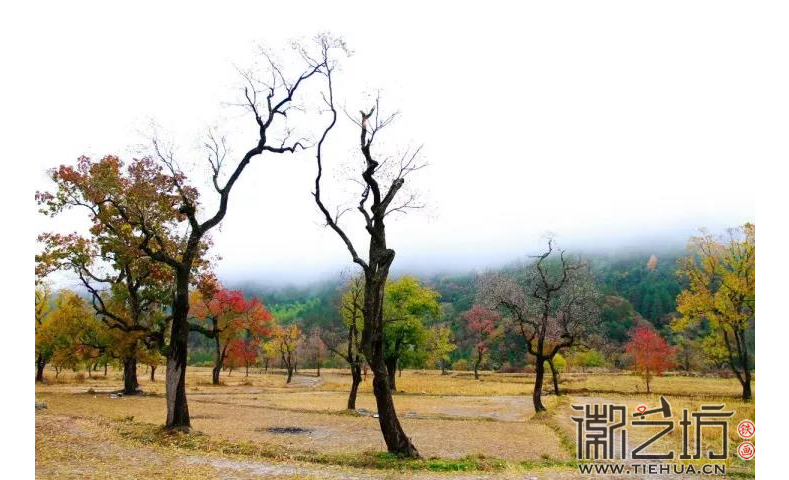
606	124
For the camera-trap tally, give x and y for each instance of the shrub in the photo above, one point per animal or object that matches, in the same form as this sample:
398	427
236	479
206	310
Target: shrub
460	365
559	362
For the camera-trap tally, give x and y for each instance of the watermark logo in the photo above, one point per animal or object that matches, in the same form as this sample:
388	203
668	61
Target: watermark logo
746	429
746	450
603	428
602	434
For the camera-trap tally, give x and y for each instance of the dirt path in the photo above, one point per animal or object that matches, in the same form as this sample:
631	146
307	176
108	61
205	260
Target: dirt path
302	381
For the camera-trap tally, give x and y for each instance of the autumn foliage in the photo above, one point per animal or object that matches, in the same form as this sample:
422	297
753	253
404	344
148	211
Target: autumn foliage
286	340
235	324
481	323
651	354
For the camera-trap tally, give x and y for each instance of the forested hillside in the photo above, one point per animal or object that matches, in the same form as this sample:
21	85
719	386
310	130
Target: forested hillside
636	285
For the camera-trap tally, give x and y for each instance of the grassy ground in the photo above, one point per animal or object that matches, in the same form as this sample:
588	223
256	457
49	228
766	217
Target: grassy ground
485	428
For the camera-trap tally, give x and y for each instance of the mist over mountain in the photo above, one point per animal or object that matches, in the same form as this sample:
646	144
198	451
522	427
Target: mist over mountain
624	272
274	272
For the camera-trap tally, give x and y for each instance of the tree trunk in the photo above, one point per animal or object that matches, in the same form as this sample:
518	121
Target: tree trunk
373	347
394	436
356	379
555	376
441	365
391	369
130	384
153	373
177	407
217	362
40	364
105	369
246	372
745	378
319	369
290	374
476	365
538	379
747	396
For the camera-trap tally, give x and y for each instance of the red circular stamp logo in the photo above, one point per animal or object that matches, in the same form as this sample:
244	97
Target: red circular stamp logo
746	450
746	429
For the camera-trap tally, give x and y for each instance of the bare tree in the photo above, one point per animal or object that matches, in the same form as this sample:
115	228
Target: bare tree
268	103
552	304
375	204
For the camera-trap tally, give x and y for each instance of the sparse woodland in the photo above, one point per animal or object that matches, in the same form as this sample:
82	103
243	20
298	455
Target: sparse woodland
148	321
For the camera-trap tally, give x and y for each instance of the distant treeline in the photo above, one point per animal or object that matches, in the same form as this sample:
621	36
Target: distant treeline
637	285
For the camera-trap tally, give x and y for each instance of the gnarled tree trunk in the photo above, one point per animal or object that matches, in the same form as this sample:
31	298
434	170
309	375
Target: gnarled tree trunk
373	346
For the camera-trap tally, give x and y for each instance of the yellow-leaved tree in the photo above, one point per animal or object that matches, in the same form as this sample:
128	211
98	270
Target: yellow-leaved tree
721	276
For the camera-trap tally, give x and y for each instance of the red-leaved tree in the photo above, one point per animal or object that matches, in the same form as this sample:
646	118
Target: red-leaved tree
243	353
651	354
480	323
225	316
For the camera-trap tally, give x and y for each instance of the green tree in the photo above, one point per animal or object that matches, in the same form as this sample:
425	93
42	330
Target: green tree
439	346
407	305
587	359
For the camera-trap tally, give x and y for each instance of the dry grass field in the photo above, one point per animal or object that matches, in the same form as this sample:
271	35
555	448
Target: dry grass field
242	429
